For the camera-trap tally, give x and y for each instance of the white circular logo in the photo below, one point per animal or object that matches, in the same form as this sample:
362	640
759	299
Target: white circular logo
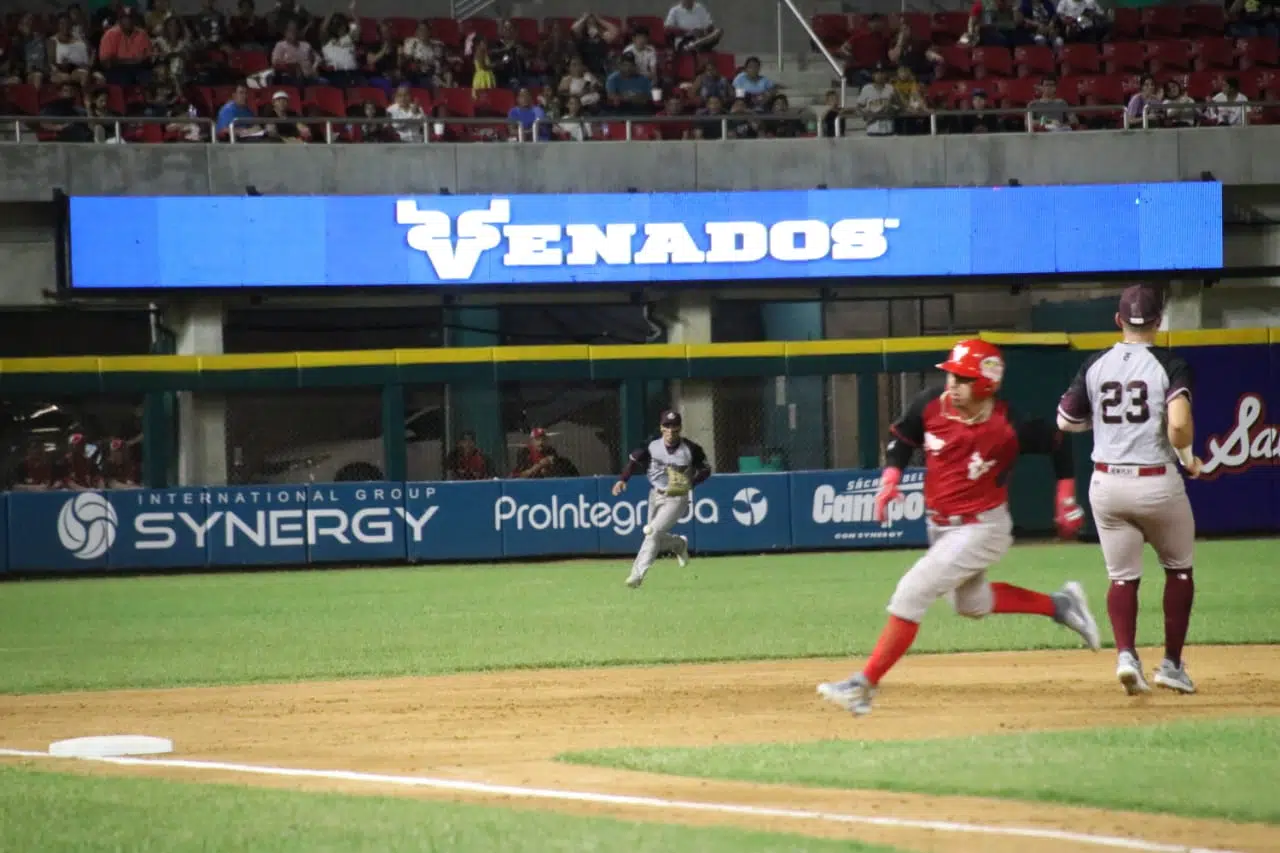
87	525
750	507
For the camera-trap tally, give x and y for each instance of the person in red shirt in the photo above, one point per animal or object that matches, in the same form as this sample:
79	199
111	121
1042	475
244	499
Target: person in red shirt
970	442
537	459
36	470
466	462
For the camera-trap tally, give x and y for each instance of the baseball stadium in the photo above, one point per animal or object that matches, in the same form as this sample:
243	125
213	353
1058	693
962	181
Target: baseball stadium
771	425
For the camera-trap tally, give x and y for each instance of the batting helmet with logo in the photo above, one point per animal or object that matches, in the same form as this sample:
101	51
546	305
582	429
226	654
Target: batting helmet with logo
977	360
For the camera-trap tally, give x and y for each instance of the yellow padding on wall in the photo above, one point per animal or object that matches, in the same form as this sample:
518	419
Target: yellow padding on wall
934	343
755	349
251	361
1013	339
149	363
343	358
1217	337
67	364
451	355
557	353
849	346
614	352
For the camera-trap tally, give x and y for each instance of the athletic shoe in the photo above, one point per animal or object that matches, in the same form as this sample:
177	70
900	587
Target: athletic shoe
853	694
1173	677
1073	611
636	578
682	553
1129	671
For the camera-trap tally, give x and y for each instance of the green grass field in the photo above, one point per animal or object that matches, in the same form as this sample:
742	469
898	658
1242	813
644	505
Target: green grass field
225	629
96	634
1223	768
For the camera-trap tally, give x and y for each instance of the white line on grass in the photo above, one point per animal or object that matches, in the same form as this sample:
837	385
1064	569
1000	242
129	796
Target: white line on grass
649	802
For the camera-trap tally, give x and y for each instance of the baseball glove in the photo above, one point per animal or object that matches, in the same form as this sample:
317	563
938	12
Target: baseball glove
677	481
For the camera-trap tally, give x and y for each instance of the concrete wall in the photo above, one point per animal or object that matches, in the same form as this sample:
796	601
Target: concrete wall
1237	156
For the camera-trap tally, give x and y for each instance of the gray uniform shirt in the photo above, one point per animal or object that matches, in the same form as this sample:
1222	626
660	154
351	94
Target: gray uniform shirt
1125	392
654	458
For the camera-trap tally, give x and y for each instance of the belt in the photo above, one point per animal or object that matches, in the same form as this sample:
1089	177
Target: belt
1131	470
939	520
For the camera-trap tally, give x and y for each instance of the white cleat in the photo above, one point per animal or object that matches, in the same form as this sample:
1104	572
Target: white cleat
1173	677
853	694
682	553
635	579
1073	611
1129	671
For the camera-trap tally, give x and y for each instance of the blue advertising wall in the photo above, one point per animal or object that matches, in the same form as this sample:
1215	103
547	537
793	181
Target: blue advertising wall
427	522
628	238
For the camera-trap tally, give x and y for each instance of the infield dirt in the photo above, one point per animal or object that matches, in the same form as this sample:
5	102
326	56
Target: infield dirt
506	728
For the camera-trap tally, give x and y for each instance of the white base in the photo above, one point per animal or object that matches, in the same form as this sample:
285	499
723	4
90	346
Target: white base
111	746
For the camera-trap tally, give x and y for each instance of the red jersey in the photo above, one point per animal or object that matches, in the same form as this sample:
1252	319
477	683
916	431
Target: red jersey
967	465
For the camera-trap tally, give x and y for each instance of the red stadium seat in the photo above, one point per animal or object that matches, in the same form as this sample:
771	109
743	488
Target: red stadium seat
1069	89
360	94
369	33
423	97
1202	84
1210	53
686	67
642	132
24	98
446	30
526	30
246	62
403	28
1258	52
1016	92
260	99
992	62
563	24
727	64
1101	90
1253	82
1036	60
1162	22
325	101
485	28
457	101
957	61
1168	55
864	51
1119	57
949	26
919	23
942	94
1080	59
1204	20
1126	25
493	102
116	102
831	30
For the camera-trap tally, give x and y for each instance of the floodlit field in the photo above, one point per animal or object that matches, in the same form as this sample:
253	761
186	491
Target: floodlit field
548	707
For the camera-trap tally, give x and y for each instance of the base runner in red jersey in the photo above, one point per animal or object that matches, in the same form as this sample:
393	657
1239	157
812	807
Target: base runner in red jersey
970	440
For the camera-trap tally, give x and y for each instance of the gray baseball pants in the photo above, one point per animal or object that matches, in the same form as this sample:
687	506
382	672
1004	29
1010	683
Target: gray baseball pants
1130	511
955	566
664	512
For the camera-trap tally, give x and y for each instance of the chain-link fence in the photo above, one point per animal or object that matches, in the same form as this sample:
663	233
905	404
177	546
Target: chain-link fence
89	442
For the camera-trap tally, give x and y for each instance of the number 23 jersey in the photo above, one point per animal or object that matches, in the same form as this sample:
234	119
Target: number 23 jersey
967	465
1123	392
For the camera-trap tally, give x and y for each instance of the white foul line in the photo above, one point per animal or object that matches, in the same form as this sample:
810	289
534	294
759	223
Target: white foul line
649	802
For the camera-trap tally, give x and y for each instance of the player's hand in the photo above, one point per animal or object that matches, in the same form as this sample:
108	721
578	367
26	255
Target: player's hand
619	487
1068	514
888	492
1195	468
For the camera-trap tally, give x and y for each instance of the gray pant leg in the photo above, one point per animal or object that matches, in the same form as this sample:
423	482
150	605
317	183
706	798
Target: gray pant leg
664	513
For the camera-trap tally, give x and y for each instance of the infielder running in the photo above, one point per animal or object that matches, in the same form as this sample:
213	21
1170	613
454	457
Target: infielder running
970	442
674	466
1137	398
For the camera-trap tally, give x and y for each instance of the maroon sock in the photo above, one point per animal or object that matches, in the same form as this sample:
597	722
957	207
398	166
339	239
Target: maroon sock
1122	607
1179	592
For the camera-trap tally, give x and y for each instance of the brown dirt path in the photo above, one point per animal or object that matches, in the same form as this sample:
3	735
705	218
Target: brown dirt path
505	728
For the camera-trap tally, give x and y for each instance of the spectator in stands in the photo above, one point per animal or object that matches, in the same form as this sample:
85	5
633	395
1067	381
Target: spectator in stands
9	76
154	20
372	131
913	111
1221	114
1252	18
690	28
709	83
643	53
916	54
383	62
293	59
572	124
237	108
751	84
36	470
1040	20
161	97
784	124
483	78
555	51
629	91
878	103
210	26
79	24
580	83
978	120
411	118
70	57
66	105
831	113
284	131
595	38
713	125
96	107
675	108
126	53
1178	109
284	13
1082	21
247	30
466	462
121	468
30	52
743	124
172	47
996	23
339	50
509	57
1144	100
422	57
866	49
526	112
537	459
1050	112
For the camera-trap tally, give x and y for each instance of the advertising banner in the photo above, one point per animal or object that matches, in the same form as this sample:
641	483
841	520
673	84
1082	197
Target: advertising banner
452	521
542	517
257	526
508	241
60	531
748	513
1235	405
836	509
160	528
358	522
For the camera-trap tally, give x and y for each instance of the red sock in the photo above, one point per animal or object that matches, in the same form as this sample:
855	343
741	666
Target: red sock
1179	592
1015	599
1122	607
895	639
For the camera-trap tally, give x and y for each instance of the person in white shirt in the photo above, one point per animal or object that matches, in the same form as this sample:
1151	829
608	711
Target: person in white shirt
1230	94
878	103
1082	20
690	27
411	118
423	54
339	52
580	83
642	51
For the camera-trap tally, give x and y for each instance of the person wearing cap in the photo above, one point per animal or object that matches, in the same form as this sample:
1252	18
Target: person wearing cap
466	462
1136	397
878	103
674	466
284	131
538	458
